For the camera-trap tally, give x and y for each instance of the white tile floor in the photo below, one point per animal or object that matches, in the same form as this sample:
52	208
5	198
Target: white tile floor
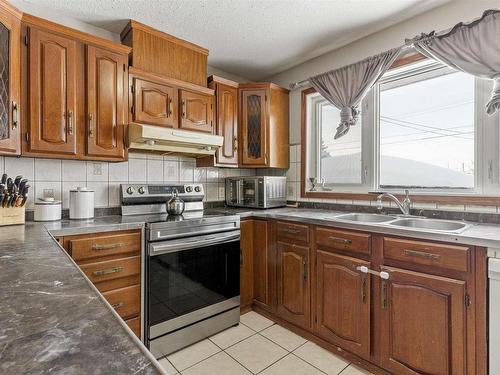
256	346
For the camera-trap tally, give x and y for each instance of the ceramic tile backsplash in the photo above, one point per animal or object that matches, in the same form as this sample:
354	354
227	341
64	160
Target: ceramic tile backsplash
60	176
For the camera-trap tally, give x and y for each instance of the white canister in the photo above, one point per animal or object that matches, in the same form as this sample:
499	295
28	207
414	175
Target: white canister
47	209
81	203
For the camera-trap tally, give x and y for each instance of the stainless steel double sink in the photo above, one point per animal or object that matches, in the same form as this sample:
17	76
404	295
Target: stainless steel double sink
404	222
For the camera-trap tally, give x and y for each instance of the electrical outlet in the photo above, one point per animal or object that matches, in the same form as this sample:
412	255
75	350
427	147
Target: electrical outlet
97	169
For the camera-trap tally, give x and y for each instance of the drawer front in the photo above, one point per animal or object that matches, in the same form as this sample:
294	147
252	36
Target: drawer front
112	270
292	232
93	248
452	257
343	240
125	301
135	325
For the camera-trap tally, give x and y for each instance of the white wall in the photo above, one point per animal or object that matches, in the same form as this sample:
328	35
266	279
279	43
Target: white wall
211	70
438	19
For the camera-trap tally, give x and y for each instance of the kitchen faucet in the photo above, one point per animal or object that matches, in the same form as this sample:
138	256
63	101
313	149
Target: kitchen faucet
404	206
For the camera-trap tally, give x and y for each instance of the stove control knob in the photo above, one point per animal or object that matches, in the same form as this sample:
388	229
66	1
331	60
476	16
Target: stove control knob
197	189
130	190
142	190
189	189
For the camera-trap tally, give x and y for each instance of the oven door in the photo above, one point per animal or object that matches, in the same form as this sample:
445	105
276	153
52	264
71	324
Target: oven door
191	279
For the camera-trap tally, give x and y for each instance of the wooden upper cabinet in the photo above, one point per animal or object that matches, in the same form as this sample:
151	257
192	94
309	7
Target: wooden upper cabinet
10	85
52	92
423	322
264	125
106	109
343	302
254	128
293	284
227	124
196	111
154	103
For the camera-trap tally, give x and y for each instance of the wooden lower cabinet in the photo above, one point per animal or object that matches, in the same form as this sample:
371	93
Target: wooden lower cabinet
263	266
293	284
426	315
343	302
423	324
246	264
112	262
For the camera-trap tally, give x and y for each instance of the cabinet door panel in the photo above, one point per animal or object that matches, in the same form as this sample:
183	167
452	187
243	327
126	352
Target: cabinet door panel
9	84
106	103
293	284
253	127
422	324
52	93
196	110
227	124
155	104
343	302
262	266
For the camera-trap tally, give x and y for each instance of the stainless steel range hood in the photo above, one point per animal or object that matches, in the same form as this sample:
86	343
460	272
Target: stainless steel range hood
172	141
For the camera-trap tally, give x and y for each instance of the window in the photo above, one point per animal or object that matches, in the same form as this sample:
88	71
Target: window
427	130
422	127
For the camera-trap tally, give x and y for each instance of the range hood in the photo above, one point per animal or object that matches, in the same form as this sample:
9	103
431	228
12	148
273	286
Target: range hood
172	141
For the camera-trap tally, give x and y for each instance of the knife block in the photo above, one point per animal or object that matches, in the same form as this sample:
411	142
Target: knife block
12	215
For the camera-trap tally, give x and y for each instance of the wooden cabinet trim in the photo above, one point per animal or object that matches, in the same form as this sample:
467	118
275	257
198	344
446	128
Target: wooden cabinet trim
74	34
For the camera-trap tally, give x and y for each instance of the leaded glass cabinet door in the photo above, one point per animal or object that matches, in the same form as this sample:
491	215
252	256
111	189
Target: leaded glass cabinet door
10	67
253	126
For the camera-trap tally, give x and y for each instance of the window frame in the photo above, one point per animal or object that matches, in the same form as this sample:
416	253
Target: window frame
486	153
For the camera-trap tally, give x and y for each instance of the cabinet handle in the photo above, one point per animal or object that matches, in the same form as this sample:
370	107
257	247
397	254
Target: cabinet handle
363	289
98	247
91	125
304	264
291	231
183	109
383	295
421	254
241	257
15	115
235	143
70	122
117	305
107	271
170	109
341	240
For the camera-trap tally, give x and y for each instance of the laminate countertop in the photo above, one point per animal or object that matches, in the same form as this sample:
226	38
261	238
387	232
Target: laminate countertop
53	320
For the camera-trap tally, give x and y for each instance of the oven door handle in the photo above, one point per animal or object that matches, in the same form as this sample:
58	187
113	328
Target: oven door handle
192	243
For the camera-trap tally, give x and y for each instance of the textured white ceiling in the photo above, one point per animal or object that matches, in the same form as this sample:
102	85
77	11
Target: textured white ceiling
250	38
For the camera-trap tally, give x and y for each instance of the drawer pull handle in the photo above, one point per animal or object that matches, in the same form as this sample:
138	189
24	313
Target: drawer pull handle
98	247
383	294
170	110
91	125
107	271
117	305
421	254
304	264
70	122
291	231
341	240
15	115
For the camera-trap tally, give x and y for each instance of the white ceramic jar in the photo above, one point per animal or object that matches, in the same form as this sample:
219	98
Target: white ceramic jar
47	209
81	203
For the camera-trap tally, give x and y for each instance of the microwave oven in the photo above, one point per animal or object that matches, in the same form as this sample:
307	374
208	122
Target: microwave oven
256	192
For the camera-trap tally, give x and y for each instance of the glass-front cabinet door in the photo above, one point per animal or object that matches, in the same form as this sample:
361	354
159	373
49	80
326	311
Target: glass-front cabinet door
253	127
10	68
